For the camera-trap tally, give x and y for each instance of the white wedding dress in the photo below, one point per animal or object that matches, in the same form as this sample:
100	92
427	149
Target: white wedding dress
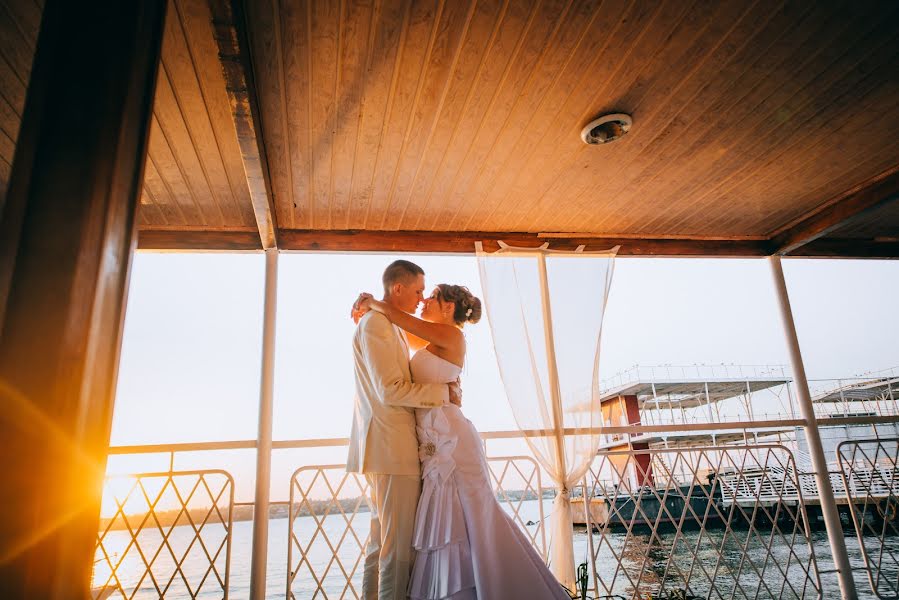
467	547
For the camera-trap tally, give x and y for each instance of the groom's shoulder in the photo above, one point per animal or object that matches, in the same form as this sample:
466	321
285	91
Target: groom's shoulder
372	321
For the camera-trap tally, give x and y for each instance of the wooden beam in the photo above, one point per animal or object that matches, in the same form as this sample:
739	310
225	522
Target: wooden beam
463	242
226	241
230	29
848	248
68	232
838	213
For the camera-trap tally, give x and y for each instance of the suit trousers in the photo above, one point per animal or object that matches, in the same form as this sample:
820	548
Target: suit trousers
389	555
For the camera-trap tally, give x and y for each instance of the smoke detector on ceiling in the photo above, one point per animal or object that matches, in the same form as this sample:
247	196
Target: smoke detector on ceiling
606	128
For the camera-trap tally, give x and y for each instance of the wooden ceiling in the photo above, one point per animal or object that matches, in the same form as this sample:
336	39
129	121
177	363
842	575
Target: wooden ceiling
19	24
758	126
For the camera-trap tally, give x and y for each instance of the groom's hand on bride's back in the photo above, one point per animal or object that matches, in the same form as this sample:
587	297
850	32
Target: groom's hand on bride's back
455	393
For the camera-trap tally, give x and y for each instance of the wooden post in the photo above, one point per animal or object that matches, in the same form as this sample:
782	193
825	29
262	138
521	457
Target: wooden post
67	235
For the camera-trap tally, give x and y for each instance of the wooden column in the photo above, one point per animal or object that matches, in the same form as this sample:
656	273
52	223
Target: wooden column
66	238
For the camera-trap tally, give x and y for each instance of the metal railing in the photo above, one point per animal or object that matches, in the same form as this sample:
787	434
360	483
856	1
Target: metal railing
326	550
184	551
700	523
752	505
870	473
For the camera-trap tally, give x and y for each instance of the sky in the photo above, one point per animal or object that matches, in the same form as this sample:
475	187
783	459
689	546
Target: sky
191	352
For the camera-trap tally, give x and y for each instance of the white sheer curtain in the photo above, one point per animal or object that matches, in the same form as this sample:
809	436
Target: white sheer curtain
545	310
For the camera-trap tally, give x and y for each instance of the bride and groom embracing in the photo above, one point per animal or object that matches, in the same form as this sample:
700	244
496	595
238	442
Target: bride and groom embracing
437	531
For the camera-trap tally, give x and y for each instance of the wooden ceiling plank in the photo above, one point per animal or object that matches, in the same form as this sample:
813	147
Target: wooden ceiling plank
471	57
533	48
27	17
170	174
230	34
206	87
706	143
7	147
824	166
383	60
172	122
192	132
9	120
641	158
12	87
17	49
5	171
297	80
801	92
161	194
599	57
838	212
451	28
353	80
583	35
680	32
324	58
823	146
420	26
264	22
148	212
698	145
512	28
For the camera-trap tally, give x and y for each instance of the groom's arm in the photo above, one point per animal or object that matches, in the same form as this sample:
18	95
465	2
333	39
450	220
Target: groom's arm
379	348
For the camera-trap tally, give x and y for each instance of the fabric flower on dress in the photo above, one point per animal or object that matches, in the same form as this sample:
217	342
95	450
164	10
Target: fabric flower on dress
436	445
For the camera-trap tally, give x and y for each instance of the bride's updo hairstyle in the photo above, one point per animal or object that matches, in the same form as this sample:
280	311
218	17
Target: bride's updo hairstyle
468	306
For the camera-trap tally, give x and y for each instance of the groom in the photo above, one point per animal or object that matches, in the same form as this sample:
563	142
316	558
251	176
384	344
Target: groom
383	444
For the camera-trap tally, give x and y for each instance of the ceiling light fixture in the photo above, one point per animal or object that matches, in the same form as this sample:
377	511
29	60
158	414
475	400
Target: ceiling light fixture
606	128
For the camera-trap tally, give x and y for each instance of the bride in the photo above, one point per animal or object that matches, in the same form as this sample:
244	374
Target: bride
467	546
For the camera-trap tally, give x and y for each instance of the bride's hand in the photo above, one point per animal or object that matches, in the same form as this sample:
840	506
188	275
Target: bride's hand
361	306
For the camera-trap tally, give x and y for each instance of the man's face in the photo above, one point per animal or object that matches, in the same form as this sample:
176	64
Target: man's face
408	296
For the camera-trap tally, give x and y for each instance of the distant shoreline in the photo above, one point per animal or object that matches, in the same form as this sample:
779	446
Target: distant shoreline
176	518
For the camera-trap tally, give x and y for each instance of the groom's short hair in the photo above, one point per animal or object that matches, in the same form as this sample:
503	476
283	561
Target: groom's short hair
400	271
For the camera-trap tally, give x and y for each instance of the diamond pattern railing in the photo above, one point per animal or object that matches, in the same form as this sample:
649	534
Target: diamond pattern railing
328	523
870	472
325	551
170	535
521	474
724	522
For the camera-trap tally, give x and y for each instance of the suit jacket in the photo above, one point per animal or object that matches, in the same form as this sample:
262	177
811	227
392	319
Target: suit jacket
383	438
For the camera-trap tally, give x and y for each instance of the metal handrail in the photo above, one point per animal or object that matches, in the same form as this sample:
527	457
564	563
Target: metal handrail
510	434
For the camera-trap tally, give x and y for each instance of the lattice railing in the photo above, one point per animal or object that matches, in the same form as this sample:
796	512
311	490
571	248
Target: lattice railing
725	522
870	472
327	547
170	535
325	552
521	474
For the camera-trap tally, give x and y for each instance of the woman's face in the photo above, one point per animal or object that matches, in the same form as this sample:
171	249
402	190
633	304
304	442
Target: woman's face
435	309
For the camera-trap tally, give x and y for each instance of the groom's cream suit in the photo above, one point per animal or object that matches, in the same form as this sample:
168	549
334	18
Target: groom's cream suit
384	447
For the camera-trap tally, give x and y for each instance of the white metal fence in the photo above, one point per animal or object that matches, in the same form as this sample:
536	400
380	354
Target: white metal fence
870	472
718	522
326	551
185	551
